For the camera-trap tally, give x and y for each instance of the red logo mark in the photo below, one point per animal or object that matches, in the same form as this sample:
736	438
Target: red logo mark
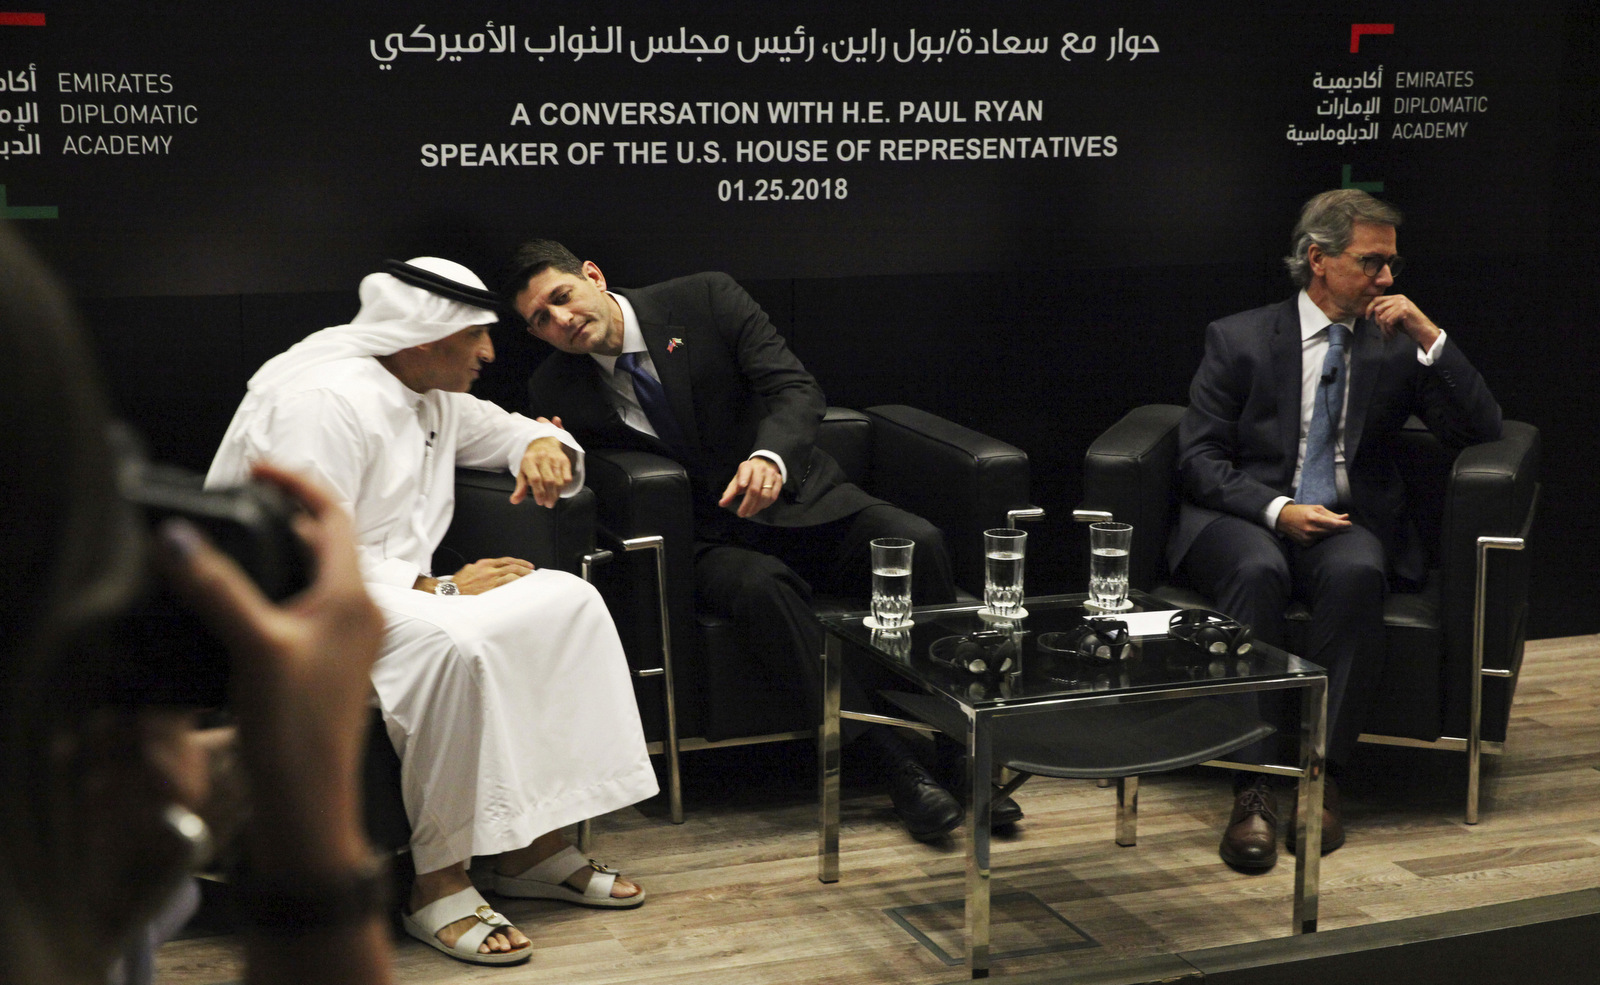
21	20
1356	30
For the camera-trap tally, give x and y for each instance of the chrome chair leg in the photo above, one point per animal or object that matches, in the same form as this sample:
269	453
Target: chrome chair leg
1127	811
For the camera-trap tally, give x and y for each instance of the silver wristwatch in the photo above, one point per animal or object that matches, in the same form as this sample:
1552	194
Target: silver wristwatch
446	585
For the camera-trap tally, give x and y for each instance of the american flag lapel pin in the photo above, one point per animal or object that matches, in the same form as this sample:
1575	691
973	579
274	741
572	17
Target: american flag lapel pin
673	344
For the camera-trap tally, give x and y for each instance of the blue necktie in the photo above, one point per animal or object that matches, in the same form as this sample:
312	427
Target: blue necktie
653	401
1317	483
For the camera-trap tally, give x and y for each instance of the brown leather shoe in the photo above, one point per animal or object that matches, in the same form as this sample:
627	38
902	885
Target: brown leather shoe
1332	819
1251	841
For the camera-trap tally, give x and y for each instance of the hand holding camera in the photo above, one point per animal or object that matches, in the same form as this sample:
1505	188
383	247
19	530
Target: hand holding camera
300	674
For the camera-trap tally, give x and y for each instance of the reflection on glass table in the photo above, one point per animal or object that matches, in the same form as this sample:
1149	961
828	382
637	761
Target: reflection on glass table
1067	690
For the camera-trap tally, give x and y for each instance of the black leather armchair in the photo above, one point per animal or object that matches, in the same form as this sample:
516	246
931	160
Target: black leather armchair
485	525
710	693
1454	649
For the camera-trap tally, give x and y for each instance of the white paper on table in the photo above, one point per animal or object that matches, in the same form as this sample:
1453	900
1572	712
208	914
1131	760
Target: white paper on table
1141	624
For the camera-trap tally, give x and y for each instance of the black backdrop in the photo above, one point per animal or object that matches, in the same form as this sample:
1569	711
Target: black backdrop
281	146
1036	297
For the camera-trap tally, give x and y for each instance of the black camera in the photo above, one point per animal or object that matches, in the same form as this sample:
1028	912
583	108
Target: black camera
169	655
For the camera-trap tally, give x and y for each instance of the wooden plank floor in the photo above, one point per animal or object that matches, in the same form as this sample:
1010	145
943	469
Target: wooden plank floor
734	895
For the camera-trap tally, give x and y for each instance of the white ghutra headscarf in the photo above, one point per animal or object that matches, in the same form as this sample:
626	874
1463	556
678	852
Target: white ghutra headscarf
395	314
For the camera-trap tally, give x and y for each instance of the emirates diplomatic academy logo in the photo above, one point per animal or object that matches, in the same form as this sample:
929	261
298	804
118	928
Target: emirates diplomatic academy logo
21	82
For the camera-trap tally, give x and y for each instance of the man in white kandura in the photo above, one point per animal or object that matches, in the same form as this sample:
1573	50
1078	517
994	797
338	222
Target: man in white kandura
504	688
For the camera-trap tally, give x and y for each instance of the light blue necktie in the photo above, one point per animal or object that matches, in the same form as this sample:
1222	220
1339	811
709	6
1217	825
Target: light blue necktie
1317	483
653	401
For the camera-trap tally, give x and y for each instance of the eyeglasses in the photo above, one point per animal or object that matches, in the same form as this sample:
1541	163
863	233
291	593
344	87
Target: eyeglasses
1372	264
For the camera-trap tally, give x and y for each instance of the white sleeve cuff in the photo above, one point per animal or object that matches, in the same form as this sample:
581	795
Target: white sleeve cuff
1270	516
1427	358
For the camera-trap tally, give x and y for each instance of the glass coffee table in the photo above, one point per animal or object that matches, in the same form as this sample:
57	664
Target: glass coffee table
1045	681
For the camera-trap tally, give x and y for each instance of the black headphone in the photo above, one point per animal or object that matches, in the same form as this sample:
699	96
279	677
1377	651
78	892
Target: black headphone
984	653
1096	640
1213	633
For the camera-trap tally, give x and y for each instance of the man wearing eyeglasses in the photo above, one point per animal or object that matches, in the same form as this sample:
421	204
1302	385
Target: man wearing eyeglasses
1290	487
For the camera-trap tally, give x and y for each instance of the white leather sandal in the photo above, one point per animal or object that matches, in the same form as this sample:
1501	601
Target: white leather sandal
547	880
426	923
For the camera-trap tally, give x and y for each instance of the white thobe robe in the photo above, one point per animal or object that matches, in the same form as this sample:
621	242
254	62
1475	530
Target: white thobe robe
512	711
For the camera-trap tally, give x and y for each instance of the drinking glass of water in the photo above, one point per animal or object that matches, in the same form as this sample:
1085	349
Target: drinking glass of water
1004	550
891	581
1108	564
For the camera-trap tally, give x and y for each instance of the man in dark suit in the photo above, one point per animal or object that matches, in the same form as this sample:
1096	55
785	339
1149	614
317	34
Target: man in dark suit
693	369
1290	485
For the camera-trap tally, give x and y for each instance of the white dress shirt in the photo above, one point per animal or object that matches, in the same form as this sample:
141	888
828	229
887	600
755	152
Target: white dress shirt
1313	351
621	384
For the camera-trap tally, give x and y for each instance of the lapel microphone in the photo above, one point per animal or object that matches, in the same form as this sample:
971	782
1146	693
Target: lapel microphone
1333	374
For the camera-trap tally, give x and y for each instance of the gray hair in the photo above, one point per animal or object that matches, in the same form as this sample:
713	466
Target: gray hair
1328	220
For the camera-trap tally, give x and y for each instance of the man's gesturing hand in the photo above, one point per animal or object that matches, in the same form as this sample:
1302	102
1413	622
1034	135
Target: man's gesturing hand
1306	525
545	470
759	481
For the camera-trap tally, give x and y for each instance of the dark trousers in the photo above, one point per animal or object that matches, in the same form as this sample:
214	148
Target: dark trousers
763	579
1253	574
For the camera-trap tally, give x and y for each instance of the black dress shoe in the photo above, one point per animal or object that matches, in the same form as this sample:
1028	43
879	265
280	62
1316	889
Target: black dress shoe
1003	811
1251	839
1332	819
928	810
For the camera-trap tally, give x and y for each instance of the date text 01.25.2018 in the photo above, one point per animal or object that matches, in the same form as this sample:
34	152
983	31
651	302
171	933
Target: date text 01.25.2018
782	189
